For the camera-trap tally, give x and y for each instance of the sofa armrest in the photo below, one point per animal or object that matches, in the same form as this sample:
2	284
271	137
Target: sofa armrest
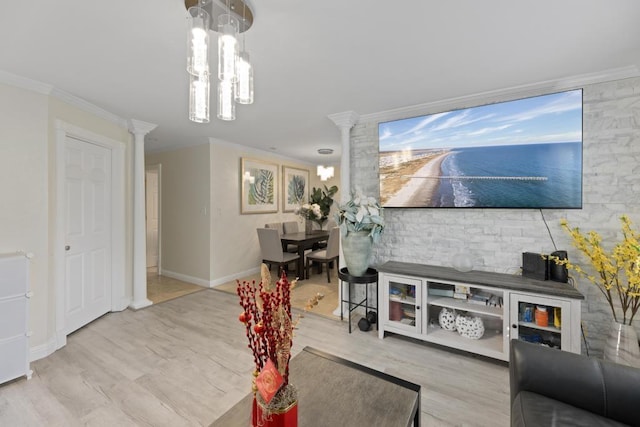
604	388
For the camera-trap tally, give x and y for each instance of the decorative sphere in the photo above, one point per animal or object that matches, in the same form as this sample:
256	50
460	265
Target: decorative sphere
470	326
447	319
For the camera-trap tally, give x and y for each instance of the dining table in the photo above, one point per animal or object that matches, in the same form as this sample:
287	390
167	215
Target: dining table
303	240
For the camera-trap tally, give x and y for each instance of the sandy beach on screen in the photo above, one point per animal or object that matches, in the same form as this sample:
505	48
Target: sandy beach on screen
422	187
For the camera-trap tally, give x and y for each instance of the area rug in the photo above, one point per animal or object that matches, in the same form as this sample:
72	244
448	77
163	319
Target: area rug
303	292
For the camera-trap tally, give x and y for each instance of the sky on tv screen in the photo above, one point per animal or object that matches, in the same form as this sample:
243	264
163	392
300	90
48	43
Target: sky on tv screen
542	119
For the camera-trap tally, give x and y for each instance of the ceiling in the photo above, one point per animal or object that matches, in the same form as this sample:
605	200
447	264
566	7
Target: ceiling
312	59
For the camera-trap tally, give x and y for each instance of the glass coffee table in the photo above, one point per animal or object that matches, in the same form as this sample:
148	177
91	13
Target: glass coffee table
336	392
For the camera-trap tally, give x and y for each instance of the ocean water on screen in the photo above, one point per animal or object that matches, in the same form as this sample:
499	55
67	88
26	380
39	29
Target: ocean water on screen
560	163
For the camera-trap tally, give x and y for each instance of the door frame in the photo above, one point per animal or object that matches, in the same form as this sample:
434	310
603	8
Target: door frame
119	299
158	168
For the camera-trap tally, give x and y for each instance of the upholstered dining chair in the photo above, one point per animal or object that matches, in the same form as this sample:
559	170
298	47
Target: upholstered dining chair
290	227
327	255
277	225
280	227
271	249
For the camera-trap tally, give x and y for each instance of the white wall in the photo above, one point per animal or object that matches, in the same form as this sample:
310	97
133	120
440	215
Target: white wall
234	241
185	212
496	238
27	191
24	193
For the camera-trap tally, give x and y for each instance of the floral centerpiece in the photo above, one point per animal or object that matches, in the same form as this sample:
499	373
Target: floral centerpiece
269	328
324	199
617	273
361	224
319	206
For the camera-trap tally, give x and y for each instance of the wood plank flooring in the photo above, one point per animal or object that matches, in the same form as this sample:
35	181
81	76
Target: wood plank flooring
185	362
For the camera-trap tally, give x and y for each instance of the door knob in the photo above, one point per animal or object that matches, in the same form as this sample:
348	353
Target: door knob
67	247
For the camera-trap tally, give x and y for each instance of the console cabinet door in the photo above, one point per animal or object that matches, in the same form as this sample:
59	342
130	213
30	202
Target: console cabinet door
542	320
402	304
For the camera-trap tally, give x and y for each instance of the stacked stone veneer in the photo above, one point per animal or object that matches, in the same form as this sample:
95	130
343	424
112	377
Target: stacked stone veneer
495	238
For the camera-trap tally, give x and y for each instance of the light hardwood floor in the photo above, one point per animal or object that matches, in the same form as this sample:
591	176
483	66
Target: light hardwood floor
185	362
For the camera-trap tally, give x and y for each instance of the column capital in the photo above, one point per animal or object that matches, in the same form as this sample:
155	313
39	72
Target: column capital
345	120
138	127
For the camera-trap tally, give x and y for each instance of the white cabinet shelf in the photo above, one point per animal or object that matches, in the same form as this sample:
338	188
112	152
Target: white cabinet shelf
466	306
14	317
413	296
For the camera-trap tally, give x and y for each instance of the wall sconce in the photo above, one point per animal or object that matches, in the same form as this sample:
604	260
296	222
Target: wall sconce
324	172
248	178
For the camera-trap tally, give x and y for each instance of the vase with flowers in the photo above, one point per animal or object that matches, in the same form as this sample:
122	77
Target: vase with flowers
324	199
318	208
361	225
617	277
269	326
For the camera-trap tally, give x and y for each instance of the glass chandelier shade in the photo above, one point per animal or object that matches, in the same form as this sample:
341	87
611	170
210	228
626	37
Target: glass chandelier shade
244	80
198	43
199	98
227	47
226	102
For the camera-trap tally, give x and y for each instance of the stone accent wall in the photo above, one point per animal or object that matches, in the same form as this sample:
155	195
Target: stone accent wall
495	238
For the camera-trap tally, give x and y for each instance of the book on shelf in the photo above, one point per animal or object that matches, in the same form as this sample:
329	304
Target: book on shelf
441	292
460	295
461	289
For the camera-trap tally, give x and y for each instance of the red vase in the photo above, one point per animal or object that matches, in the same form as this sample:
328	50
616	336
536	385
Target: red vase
285	418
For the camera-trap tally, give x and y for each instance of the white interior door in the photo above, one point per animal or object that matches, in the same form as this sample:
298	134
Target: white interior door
152	217
88	233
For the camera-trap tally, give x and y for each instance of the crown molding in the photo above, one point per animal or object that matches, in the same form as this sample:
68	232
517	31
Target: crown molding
88	107
257	151
49	90
555	85
344	120
25	83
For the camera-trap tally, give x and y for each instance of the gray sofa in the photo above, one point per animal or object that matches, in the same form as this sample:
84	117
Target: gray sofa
557	388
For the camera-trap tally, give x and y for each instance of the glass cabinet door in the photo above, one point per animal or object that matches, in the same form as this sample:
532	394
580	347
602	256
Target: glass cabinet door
540	320
403	309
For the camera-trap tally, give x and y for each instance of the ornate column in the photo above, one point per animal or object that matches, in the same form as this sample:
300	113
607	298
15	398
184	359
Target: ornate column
345	121
139	129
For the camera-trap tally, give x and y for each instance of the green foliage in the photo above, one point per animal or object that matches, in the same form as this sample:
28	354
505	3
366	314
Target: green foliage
296	189
361	213
324	199
261	191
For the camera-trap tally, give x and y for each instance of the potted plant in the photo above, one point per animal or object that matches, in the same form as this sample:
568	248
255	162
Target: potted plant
318	208
361	224
324	200
617	277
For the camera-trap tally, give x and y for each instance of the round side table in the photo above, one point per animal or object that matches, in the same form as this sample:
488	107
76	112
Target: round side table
370	276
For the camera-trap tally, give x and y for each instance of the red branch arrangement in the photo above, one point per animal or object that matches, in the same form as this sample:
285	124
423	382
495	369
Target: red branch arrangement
267	319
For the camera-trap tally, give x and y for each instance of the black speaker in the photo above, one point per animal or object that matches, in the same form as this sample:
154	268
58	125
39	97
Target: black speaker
535	266
558	273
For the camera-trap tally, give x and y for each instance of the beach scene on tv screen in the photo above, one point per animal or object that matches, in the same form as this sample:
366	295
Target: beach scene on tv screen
525	153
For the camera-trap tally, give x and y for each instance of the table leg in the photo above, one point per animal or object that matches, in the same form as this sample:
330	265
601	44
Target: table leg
300	262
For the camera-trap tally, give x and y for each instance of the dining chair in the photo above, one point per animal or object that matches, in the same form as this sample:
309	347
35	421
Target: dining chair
280	227
290	227
327	255
277	225
271	249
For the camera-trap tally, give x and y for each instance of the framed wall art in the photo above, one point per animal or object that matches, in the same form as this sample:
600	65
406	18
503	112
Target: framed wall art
259	183
295	188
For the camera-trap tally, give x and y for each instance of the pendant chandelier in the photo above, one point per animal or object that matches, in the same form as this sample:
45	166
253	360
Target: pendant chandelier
229	18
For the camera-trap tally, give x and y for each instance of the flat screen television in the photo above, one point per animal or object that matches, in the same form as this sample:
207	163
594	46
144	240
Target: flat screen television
525	153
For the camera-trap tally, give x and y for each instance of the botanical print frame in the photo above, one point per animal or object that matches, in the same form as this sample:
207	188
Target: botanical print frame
295	188
259	183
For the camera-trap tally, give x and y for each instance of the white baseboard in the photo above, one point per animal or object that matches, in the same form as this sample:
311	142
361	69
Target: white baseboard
225	279
189	279
43	350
